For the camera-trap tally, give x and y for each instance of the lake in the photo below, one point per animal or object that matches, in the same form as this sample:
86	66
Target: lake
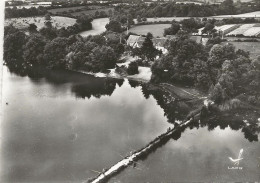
63	126
67	127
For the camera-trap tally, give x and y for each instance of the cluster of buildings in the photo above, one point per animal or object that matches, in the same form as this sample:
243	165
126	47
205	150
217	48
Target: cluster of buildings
136	41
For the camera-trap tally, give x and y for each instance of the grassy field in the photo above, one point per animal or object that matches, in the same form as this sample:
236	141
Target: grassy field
98	26
252	47
76	11
23	23
155	29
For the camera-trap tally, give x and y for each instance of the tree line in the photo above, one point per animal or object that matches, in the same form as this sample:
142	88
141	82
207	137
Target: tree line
171	9
25	12
50	48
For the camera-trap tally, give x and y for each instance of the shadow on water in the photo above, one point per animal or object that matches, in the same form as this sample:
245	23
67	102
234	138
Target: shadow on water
82	85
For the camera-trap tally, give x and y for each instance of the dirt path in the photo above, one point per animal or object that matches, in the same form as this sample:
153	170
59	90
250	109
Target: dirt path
183	93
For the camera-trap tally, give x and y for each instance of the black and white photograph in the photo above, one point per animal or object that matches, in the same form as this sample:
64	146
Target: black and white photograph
129	91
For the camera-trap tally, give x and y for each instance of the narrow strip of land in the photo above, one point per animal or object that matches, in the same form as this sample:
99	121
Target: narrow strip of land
137	155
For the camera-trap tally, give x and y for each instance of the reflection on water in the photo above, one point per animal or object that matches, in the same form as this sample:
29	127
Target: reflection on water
65	126
51	134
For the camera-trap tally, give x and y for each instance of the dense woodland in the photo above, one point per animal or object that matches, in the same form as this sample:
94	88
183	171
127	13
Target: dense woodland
55	48
171	9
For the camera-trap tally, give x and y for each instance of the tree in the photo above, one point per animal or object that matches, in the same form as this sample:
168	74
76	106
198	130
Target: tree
139	19
62	32
79	56
185	63
32	28
10	29
147	49
84	22
48	33
98	39
55	52
48	24
132	68
209	29
110	12
33	49
120	49
228	7
175	27
97	14
13	48
217	55
47	17
103	58
190	25
114	26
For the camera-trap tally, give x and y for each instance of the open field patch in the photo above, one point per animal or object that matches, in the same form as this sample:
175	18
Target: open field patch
76	11
156	29
252	47
23	23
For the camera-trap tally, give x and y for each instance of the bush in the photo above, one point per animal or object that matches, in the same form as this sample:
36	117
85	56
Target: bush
132	68
252	100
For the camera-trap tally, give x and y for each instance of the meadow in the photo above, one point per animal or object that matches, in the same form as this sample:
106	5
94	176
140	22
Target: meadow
23	23
252	47
156	29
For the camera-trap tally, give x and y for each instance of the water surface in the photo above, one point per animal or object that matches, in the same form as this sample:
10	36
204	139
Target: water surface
68	126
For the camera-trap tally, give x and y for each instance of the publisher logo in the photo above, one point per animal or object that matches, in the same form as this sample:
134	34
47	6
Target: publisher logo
236	161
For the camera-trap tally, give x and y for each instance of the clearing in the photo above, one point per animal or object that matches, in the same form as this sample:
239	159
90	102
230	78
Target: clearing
156	29
252	47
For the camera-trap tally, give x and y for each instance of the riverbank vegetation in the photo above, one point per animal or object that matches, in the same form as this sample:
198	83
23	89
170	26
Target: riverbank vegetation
52	48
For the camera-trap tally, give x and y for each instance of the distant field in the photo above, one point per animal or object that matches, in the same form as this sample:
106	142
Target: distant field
255	14
57	21
75	11
252	47
155	29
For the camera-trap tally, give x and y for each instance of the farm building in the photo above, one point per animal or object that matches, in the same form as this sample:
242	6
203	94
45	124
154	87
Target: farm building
240	30
225	29
137	41
247	30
